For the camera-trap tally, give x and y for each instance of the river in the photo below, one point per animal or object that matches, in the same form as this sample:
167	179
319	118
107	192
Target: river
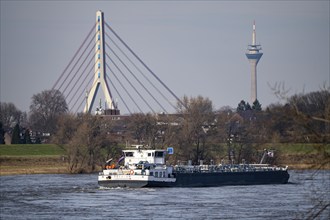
63	196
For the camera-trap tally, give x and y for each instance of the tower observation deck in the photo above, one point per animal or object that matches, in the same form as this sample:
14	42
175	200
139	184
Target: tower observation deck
253	54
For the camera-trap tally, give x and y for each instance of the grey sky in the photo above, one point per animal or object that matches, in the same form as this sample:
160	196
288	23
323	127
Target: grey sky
196	48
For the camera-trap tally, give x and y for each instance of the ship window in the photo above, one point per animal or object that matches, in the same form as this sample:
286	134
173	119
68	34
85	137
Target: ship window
129	154
98	18
98	27
156	174
151	173
98	37
159	154
149	154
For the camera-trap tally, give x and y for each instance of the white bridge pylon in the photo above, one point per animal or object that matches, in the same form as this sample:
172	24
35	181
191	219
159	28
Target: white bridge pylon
99	69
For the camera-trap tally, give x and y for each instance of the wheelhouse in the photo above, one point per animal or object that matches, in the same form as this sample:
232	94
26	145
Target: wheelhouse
151	156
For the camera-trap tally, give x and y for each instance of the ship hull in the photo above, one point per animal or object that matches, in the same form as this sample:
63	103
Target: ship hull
206	180
231	178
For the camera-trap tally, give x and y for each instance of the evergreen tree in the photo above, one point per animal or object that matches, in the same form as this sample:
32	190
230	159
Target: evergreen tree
27	137
241	106
248	107
256	105
38	139
2	134
16	139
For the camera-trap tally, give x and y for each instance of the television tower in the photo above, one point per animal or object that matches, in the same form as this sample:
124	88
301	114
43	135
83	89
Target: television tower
99	72
254	56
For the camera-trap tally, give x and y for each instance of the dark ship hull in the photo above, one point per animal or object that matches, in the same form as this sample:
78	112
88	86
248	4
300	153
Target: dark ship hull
225	178
207	179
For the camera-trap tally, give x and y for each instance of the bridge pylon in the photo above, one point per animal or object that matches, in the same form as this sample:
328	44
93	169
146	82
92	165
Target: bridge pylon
100	72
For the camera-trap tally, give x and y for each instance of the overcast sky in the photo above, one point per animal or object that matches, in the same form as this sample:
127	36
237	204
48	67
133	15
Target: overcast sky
195	47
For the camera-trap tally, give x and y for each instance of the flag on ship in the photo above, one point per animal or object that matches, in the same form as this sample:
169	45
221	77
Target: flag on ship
270	154
121	159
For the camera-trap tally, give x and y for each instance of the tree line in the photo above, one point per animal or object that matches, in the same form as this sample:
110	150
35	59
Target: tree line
40	122
197	131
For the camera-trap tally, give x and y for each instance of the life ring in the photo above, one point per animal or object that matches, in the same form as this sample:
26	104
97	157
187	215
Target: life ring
131	172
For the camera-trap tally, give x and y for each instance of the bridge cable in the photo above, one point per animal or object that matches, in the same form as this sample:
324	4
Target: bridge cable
124	88
80	74
82	95
82	63
137	57
131	84
121	98
89	33
80	86
128	69
145	77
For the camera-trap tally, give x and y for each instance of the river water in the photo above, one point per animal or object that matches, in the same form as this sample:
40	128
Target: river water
79	197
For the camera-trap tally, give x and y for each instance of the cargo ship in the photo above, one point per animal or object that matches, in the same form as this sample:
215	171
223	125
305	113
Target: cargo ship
148	168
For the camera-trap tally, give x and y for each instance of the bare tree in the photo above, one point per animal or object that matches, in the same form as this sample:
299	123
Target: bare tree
198	119
67	125
144	128
45	109
10	115
84	148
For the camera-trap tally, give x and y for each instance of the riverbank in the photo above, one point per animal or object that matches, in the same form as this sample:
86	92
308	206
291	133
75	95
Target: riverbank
32	165
32	159
50	159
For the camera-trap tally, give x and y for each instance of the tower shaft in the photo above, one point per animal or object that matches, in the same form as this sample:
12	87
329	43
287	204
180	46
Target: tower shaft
253	80
99	69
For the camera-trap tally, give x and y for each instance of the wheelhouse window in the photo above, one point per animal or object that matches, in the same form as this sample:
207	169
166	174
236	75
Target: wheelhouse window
129	154
159	154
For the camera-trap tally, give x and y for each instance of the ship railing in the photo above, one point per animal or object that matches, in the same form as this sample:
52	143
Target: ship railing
226	168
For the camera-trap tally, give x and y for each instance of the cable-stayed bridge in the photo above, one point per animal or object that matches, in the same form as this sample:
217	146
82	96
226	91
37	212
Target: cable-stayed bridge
104	61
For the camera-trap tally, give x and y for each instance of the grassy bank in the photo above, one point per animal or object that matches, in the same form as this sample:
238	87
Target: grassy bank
50	158
32	158
31	150
303	156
